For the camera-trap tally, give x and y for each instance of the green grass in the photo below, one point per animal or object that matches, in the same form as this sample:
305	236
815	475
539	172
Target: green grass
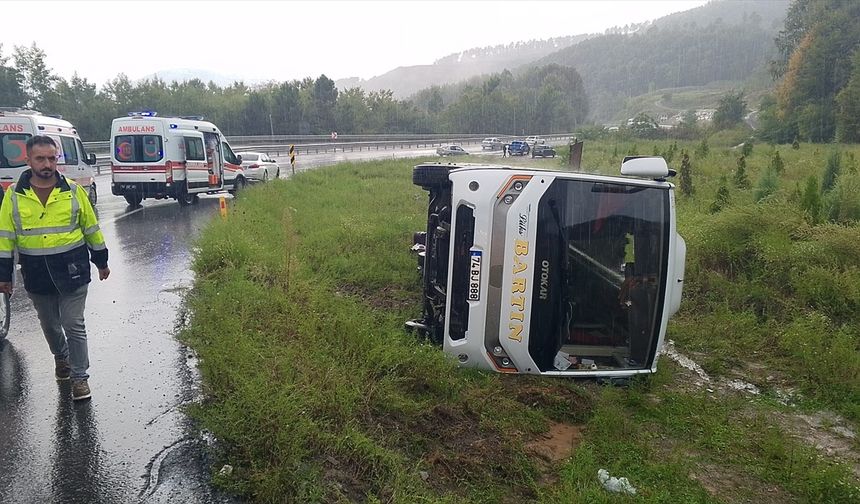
319	395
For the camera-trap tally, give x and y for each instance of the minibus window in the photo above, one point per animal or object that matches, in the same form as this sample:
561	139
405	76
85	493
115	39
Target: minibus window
13	150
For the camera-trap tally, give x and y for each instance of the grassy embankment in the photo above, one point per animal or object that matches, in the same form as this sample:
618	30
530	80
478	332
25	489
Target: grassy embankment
320	396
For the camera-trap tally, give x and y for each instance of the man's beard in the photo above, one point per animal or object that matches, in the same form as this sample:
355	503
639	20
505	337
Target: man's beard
44	173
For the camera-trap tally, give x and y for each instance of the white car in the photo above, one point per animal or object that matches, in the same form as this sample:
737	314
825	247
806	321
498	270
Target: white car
491	144
535	140
259	166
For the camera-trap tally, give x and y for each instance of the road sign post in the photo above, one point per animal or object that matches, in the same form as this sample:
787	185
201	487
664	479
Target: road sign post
293	158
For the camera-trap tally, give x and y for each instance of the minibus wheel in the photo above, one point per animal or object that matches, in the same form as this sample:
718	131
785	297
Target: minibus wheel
429	175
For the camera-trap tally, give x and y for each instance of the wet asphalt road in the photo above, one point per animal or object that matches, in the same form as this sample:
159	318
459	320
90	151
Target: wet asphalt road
132	441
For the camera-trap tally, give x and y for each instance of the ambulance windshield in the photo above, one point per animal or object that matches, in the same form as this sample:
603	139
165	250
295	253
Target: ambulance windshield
13	149
599	275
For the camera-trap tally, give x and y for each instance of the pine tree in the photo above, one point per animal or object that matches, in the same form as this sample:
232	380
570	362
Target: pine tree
767	184
722	200
741	180
686	175
776	163
810	201
702	149
831	172
747	149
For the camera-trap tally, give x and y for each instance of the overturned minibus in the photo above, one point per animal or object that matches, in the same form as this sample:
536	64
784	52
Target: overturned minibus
549	272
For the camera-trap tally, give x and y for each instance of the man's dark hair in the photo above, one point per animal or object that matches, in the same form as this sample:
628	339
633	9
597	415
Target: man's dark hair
40	140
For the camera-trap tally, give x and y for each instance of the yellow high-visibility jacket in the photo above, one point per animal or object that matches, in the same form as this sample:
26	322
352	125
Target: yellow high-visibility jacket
55	241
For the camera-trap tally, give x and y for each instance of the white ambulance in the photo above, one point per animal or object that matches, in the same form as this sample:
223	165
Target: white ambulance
18	125
548	272
171	157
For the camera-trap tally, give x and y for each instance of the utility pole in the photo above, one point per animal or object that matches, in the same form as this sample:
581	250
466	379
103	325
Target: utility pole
271	127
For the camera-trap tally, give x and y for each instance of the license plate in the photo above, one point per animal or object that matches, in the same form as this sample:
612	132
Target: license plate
475	276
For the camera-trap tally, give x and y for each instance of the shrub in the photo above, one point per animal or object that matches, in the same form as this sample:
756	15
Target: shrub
843	202
767	184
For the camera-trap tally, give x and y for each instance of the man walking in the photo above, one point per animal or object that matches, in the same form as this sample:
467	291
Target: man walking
52	223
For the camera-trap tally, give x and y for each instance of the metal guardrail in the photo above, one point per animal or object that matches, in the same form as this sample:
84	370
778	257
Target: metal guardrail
277	147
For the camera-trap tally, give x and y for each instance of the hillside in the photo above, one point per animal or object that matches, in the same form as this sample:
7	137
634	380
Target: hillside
721	42
405	81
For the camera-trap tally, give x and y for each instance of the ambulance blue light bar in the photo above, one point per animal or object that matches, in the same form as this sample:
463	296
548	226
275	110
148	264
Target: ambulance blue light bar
143	113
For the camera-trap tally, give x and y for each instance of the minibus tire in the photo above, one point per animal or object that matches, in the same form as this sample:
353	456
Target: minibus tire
133	199
93	194
429	175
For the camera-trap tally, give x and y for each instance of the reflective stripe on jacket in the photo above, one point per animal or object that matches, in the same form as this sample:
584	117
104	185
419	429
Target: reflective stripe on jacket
52	239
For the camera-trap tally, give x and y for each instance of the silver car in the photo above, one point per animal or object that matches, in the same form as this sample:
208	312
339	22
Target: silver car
259	166
492	144
451	150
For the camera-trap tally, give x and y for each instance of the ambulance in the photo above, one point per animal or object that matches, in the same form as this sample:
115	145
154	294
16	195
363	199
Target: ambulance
18	125
171	157
547	272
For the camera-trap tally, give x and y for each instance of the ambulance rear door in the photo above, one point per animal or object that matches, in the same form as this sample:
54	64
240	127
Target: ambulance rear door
214	159
15	130
196	161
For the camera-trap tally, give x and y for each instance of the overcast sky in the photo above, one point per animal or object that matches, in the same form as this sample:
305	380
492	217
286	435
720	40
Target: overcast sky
291	40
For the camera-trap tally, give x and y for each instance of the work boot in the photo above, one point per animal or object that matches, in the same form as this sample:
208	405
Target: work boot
62	370
80	390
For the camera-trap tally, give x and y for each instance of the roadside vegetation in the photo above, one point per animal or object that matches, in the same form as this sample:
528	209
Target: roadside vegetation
317	393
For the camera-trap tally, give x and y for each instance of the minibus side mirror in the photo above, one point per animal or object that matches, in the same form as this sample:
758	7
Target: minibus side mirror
239	159
91	159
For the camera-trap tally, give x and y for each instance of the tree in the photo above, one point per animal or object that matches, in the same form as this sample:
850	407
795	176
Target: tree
686	174
741	180
831	172
767	185
37	77
722	199
848	106
730	111
810	201
776	163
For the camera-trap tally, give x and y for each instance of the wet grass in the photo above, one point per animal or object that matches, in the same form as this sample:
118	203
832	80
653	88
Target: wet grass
318	394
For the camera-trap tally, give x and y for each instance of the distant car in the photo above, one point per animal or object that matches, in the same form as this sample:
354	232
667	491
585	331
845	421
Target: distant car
451	150
535	140
518	148
543	151
259	166
491	144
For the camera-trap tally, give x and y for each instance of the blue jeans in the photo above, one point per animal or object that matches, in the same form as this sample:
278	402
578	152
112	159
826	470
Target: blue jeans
62	319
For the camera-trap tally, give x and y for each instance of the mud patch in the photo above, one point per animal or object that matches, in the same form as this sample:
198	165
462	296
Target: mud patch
828	433
559	442
384	298
732	486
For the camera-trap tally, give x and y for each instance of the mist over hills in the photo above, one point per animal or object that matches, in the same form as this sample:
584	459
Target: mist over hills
407	80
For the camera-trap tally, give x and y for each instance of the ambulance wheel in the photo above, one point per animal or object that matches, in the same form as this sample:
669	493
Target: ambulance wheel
93	194
184	198
133	199
238	186
429	175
